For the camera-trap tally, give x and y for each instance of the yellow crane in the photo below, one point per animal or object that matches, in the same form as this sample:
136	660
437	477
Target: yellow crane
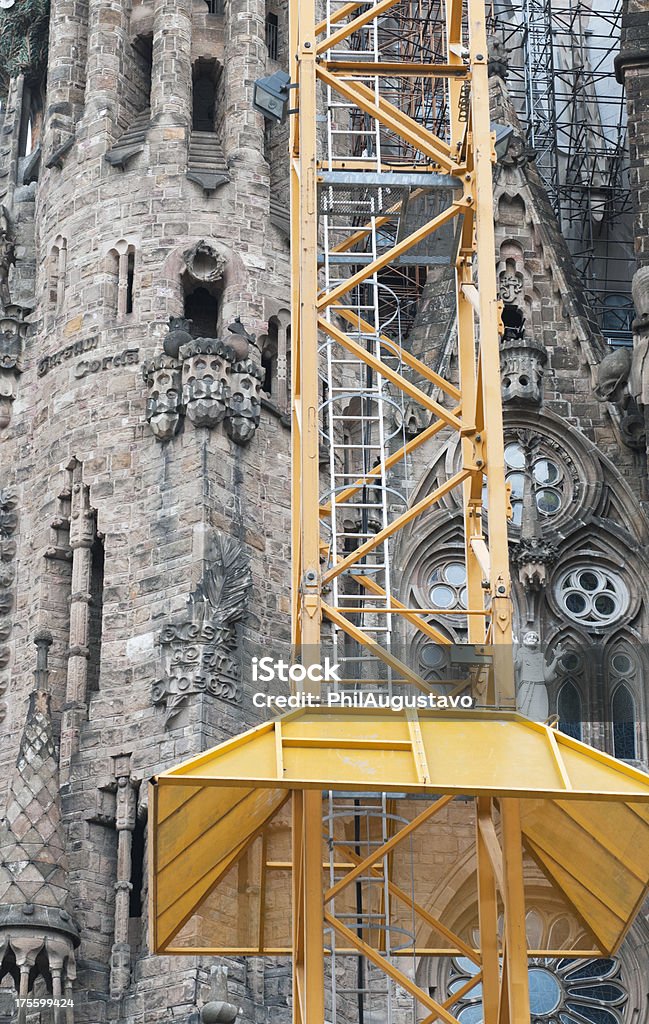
391	153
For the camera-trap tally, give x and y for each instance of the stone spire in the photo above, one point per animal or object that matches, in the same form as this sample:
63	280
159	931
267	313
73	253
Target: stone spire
34	917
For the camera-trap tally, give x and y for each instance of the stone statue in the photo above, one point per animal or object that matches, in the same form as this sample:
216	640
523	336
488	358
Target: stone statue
612	377
533	673
639	376
7	257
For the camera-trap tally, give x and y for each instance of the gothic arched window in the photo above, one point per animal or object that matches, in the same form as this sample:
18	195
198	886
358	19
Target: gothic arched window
569	710
624	687
623	717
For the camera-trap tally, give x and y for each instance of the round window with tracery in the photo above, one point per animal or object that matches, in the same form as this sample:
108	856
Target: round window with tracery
567	991
547	478
594	597
448	586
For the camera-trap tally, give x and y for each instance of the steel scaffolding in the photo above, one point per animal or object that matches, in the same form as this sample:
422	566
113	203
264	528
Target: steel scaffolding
562	79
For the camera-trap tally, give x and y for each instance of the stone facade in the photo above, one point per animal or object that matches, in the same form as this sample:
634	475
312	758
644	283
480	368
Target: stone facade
133	521
145	458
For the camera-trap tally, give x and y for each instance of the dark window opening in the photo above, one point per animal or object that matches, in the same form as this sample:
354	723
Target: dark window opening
569	708
31	116
130	278
202	308
215	6
269	364
272	35
623	714
143	52
138	849
513	321
204	96
95	613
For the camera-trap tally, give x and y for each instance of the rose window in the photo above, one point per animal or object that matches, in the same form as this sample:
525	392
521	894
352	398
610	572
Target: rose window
594	597
567	991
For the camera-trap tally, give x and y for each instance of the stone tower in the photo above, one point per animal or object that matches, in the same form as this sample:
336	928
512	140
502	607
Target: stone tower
145	451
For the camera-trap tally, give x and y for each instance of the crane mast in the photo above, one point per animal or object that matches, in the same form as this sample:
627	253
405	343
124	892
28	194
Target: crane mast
395	837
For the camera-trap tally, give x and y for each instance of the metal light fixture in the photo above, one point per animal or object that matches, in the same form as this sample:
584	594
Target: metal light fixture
504	134
270	96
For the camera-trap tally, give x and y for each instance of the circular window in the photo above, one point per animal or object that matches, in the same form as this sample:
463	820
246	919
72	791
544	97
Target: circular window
548	501
567	991
447	586
432	656
545	471
622	664
545	991
514	456
594	597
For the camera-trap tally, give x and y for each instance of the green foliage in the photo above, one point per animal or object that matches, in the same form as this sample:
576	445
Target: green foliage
23	41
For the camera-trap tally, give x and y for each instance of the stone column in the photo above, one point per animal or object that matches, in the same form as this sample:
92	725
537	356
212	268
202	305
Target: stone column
66	64
171	78
125	813
283	323
245	61
82	536
107	29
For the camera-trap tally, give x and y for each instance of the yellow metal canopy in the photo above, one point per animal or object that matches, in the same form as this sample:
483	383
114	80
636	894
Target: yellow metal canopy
584	816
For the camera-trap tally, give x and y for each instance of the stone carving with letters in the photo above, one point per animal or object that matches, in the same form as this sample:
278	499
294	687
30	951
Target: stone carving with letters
199	651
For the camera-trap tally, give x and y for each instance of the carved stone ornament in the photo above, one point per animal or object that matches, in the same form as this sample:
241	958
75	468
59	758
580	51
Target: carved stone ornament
498	57
521	367
198	652
612	377
206	380
218	1010
12	333
164	402
178	334
510	285
533	674
8	527
7	257
533	556
639	375
244	403
616	383
204	262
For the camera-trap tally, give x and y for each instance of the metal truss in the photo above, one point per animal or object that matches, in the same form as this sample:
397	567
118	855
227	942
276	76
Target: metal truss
392	114
349	819
386	119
